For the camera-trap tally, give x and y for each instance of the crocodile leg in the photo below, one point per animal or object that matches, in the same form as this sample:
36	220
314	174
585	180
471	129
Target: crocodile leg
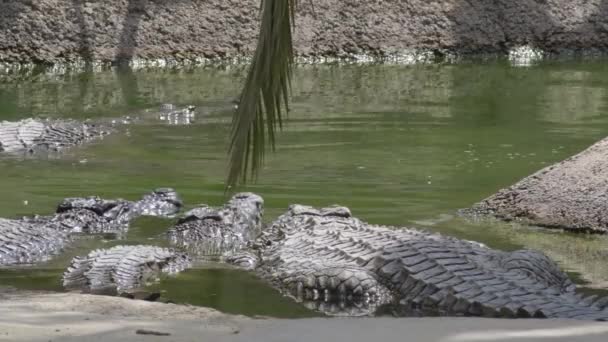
122	268
143	264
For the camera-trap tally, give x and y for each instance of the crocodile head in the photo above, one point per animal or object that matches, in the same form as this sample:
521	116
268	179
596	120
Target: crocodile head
164	202
202	212
175	115
296	218
83	221
300	217
96	215
160	202
245	209
213	232
324	280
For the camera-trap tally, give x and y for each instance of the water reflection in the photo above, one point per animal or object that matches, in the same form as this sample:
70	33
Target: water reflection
572	96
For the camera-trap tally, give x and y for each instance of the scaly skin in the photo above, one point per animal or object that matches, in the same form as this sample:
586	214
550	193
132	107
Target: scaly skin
203	231
35	239
38	134
25	243
122	268
338	264
217	232
163	202
33	135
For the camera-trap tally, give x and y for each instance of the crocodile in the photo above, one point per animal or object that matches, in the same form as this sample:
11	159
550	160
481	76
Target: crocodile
45	134
204	232
216	232
117	213
174	115
23	242
34	239
122	268
337	264
34	135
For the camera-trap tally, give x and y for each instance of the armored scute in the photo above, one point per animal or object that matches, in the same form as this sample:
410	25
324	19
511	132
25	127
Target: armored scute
325	258
219	232
340	265
38	134
122	268
35	239
33	135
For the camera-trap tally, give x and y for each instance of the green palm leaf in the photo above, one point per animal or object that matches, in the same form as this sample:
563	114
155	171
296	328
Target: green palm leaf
264	99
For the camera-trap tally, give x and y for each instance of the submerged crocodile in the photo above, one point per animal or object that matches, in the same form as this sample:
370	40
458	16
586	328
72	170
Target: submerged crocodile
122	268
340	265
34	239
32	135
204	232
37	134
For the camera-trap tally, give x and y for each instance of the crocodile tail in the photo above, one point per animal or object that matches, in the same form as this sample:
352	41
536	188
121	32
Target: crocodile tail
15	136
143	264
75	275
23	242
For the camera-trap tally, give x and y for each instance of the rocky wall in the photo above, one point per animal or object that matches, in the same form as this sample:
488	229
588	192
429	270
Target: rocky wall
48	31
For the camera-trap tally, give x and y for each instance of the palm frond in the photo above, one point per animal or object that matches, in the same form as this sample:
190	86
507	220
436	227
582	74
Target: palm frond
264	99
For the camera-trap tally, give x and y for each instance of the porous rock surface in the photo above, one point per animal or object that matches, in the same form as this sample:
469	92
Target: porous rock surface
109	30
572	194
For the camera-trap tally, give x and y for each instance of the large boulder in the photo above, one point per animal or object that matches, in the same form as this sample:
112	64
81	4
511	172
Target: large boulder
572	194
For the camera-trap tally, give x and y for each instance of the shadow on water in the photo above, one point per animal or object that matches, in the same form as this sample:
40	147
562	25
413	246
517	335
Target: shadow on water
129	86
85	79
127	46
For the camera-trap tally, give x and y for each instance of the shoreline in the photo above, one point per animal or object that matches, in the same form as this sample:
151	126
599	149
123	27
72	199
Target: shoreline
34	316
521	56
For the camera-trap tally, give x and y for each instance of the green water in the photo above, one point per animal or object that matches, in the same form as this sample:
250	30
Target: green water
399	145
